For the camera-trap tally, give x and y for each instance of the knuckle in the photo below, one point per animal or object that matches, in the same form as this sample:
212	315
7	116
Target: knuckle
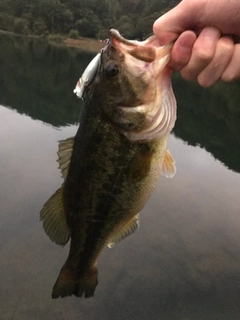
202	55
226	44
232	72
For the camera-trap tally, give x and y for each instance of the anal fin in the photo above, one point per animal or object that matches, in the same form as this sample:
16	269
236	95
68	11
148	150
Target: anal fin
129	228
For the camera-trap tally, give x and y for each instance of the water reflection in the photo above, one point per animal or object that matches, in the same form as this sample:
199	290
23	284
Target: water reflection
210	118
182	264
38	79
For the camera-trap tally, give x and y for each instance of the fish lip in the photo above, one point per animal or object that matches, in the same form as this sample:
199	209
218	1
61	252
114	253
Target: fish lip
116	35
147	50
150	41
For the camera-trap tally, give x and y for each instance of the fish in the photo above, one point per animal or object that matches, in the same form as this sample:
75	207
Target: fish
111	166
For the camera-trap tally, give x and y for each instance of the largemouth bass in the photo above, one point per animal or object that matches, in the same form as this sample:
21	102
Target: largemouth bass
111	166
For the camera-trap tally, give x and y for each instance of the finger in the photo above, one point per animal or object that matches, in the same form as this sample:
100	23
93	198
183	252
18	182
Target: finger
169	26
232	72
202	53
214	70
182	50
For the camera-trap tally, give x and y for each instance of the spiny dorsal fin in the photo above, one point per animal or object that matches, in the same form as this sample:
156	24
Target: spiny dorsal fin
127	229
54	219
65	148
168	166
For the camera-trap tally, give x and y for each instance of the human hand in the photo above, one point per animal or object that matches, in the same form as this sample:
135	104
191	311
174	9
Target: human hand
210	56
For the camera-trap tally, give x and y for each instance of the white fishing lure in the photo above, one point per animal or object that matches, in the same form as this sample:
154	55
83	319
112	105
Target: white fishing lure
87	76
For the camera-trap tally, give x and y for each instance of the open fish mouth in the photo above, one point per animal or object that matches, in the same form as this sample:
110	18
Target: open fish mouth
146	51
141	50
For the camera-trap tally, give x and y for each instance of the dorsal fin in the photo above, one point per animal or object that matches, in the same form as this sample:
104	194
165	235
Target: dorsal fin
54	219
125	231
65	148
168	165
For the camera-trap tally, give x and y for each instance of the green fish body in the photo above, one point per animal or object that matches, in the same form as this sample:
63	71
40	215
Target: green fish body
112	165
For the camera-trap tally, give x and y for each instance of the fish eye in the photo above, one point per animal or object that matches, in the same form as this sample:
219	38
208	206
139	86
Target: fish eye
111	70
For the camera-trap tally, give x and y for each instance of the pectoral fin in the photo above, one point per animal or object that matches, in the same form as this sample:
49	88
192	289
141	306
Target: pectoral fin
168	166
54	219
65	148
125	231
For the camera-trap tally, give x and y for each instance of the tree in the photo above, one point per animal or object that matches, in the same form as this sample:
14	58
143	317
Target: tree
89	26
92	18
125	26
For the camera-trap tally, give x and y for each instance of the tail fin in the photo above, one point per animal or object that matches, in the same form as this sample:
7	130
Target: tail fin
70	282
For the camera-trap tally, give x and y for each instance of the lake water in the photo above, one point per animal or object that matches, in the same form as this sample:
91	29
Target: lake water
183	263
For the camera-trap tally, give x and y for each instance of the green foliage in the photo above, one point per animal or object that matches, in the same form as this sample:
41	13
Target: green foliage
39	27
103	33
125	26
89	25
6	21
20	26
143	27
91	18
53	37
73	34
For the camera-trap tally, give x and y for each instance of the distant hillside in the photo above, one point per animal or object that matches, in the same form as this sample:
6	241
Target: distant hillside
84	18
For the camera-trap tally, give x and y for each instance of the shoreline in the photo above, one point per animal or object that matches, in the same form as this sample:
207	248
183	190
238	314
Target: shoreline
85	44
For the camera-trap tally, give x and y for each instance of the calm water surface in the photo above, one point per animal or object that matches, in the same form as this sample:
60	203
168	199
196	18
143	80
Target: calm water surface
183	263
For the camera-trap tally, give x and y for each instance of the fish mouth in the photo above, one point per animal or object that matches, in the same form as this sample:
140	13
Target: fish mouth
140	50
147	50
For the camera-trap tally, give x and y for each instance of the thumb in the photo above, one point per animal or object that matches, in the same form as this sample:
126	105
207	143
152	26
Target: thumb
169	26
